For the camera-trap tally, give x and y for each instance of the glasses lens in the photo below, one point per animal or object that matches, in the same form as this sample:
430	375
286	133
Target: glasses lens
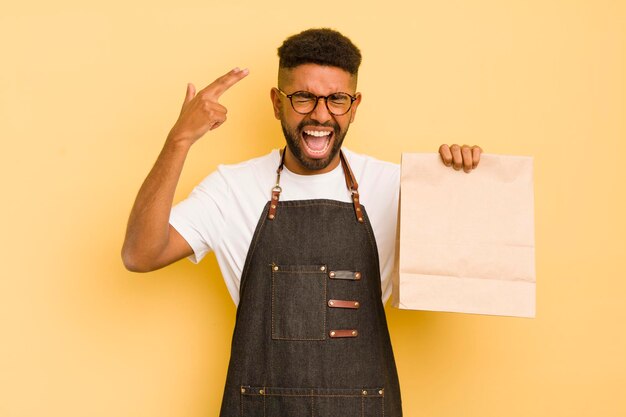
303	102
339	103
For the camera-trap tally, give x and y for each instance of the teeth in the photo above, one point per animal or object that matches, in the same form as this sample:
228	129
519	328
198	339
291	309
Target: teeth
317	133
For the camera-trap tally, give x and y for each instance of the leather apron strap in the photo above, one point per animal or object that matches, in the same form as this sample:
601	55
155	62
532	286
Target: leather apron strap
351	183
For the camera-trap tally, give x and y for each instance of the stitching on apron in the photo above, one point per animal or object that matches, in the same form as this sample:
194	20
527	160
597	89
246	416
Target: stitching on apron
273	309
362	406
317	395
257	235
372	239
339	205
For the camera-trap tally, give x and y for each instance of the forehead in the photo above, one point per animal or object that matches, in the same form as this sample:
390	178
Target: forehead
318	79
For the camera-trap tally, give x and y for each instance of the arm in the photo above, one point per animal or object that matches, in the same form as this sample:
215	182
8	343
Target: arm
150	242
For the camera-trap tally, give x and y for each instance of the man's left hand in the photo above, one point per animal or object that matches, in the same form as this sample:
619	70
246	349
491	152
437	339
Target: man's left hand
466	157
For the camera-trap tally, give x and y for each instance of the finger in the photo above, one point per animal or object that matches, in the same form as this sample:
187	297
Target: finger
223	83
476	151
218	122
446	156
457	159
466	152
212	106
189	94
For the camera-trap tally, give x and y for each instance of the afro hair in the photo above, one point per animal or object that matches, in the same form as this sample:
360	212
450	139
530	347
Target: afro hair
320	46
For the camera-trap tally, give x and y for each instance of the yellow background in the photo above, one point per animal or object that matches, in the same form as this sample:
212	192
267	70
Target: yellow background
89	91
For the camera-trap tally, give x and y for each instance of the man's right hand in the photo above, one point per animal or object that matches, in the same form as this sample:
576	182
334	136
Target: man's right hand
201	112
151	242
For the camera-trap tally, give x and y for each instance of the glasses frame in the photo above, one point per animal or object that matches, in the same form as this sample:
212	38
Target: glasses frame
317	99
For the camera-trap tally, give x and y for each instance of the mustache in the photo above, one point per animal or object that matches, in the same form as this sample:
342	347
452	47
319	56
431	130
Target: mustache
310	123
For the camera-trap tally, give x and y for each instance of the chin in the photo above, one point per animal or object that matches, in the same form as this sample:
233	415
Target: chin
305	154
310	163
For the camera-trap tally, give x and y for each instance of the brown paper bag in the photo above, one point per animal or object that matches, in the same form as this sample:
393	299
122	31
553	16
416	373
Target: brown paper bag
466	241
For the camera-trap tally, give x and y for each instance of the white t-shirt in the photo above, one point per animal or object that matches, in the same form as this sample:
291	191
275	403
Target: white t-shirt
222	212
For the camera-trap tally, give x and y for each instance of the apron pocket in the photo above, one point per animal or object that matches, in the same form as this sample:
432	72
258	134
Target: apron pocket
299	302
311	402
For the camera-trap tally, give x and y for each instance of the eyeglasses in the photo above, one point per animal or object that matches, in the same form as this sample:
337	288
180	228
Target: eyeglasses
304	102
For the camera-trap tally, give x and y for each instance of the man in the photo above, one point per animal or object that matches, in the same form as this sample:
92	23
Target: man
307	264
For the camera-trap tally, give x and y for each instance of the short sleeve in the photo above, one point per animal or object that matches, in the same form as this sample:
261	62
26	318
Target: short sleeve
201	217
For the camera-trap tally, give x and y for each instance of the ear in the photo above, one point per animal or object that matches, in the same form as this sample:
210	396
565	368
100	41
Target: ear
355	105
276	102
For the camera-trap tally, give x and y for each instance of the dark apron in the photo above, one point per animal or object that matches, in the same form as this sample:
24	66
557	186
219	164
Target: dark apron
311	336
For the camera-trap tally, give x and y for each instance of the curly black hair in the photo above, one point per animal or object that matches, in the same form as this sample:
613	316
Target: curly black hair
320	46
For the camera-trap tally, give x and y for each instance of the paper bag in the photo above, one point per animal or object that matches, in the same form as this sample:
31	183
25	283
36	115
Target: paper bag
466	241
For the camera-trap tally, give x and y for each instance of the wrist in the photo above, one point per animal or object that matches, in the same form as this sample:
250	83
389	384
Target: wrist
179	140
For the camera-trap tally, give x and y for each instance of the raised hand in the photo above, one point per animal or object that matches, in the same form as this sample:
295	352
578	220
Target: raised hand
151	242
201	112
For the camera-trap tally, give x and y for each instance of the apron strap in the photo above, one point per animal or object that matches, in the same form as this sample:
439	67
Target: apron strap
351	183
271	214
353	186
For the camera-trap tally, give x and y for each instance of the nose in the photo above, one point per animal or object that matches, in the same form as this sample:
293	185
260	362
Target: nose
320	113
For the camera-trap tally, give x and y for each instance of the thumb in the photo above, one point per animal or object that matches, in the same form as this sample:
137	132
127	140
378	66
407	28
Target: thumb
189	95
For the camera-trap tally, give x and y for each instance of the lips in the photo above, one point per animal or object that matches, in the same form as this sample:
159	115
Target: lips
316	143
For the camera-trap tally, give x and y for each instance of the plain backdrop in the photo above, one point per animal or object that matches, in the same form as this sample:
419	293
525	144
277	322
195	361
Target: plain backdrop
89	90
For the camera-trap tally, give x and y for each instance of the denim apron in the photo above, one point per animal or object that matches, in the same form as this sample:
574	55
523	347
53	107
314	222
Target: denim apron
311	336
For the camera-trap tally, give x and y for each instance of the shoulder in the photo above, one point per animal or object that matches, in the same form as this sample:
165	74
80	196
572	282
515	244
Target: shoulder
371	171
256	171
264	163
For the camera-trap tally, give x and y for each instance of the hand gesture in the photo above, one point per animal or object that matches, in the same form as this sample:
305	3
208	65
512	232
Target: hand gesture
201	112
458	157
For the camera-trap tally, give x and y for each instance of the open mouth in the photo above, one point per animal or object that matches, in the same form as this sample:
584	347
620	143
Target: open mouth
317	142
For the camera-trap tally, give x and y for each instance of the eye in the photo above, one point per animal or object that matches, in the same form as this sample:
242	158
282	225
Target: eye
302	97
339	99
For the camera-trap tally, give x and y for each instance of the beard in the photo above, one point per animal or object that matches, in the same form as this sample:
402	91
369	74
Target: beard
294	142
